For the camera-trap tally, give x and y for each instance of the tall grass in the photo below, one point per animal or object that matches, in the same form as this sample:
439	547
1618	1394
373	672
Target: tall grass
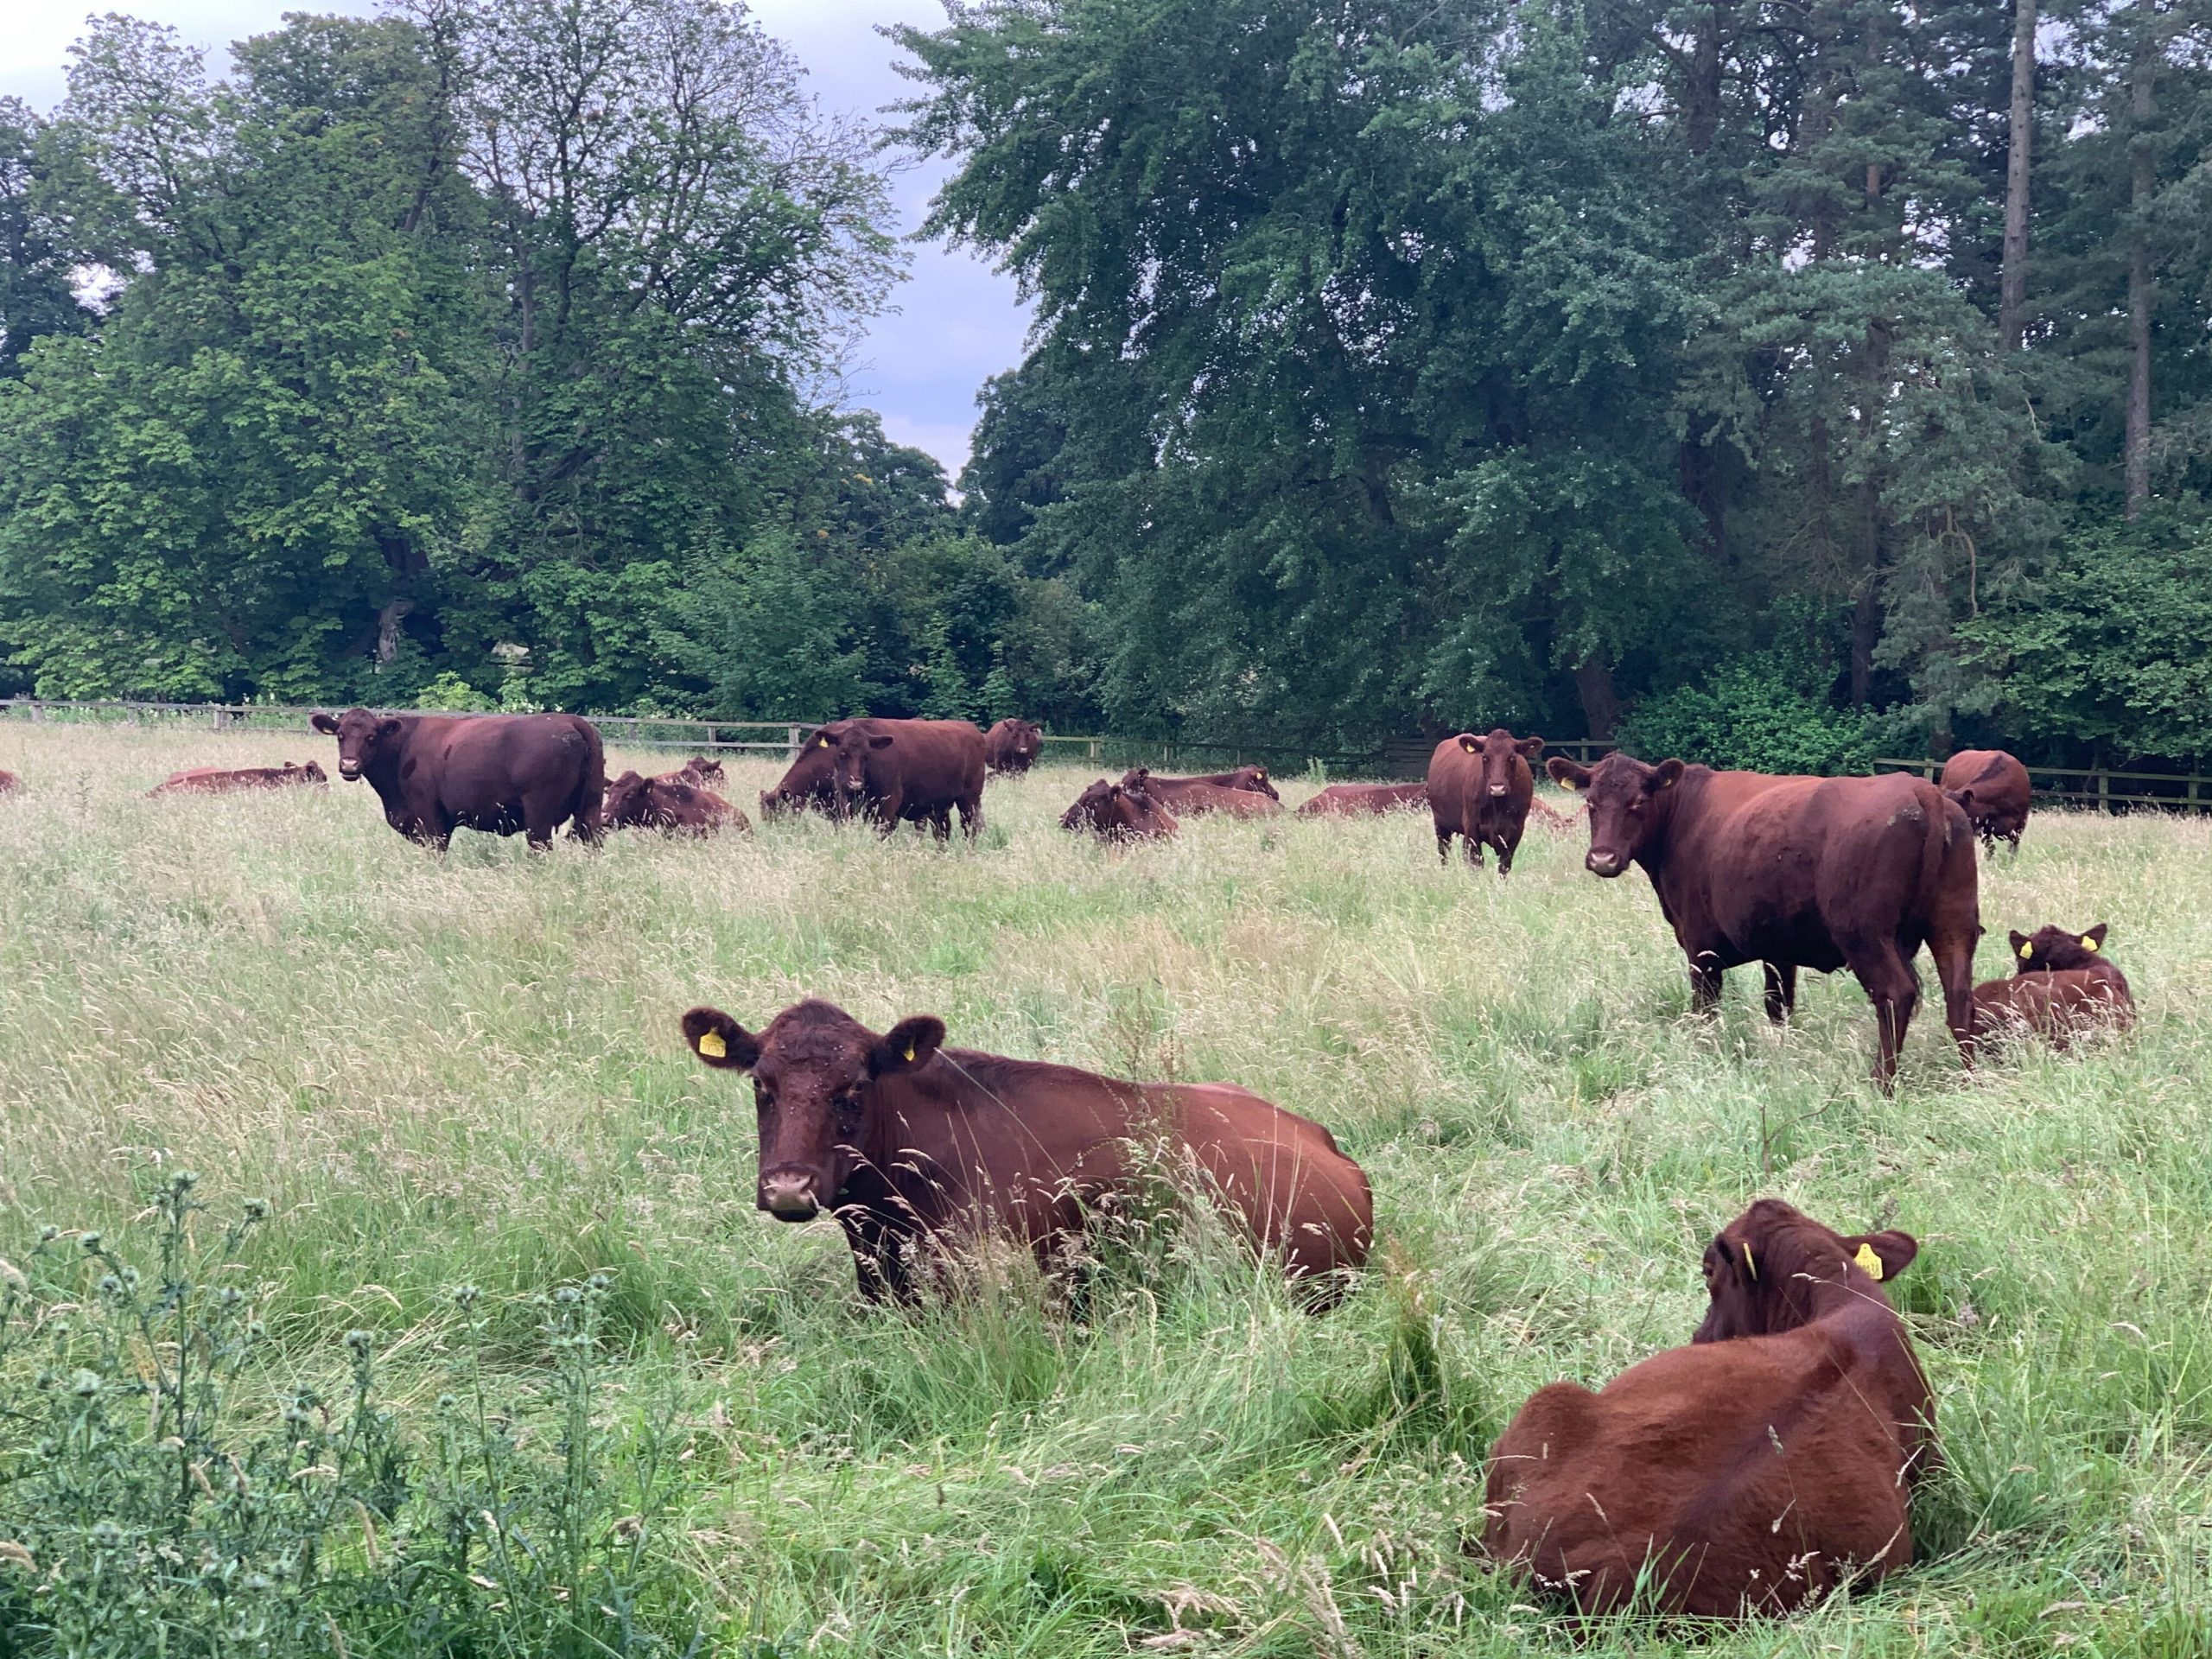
465	1071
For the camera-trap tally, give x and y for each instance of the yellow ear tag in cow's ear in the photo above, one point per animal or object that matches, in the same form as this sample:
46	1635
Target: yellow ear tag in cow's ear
1868	1260
2027	949
909	1054
2088	943
712	1046
1749	1266
825	742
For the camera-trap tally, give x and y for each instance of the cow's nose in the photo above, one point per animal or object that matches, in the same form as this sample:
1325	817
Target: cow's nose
349	768
1603	863
1497	789
788	1198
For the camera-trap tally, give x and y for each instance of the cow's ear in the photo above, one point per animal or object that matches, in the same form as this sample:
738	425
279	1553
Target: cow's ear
1468	742
720	1040
2094	938
2023	946
879	742
1884	1255
1565	772
390	726
326	724
1666	774
1964	798
907	1045
1531	746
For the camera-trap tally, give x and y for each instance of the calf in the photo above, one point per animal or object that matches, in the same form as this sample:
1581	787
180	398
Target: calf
912	771
1478	790
1362	800
2061	986
1192	795
1992	788
1011	747
499	773
1819	872
700	771
1115	812
1753	1472
672	803
214	780
913	1146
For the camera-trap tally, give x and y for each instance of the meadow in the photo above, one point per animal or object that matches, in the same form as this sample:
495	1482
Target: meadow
510	1221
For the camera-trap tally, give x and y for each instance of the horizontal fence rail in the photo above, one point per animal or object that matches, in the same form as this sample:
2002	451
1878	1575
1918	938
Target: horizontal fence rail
2105	788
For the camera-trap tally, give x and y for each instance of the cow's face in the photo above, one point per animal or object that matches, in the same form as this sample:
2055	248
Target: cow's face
851	762
815	1076
312	771
1497	755
1117	812
2050	950
361	735
1762	1269
1629	805
626	800
705	771
1254	779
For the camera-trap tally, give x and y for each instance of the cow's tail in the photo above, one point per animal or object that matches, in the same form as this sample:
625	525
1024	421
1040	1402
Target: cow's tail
591	790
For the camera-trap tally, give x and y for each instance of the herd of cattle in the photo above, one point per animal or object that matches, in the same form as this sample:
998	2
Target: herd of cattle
1765	1464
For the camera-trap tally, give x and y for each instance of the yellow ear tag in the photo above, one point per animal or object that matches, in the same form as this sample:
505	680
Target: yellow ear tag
2027	950
2088	943
910	1053
825	742
712	1046
1868	1260
1749	1266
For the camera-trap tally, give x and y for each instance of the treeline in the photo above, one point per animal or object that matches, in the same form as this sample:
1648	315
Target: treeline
1768	380
479	355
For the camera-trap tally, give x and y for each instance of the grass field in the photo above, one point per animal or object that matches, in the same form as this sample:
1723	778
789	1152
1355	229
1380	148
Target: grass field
467	1072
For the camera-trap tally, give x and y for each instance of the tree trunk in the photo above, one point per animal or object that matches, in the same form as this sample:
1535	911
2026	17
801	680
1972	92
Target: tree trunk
388	620
1701	82
2012	299
2139	297
1601	704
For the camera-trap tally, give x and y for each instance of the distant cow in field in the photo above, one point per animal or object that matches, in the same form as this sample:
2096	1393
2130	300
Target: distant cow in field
672	803
1819	872
1478	790
1011	747
1364	800
811	779
911	1145
215	780
8	782
1766	1465
1189	797
1992	787
503	774
912	771
2061	986
1115	812
701	770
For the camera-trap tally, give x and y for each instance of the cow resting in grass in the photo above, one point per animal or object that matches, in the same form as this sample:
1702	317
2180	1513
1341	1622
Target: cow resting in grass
672	803
2062	986
913	1146
1478	790
503	774
1364	800
1819	872
1190	797
218	780
1115	812
1767	1464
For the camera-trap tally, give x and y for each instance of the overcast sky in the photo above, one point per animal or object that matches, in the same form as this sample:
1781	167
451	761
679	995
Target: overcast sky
956	320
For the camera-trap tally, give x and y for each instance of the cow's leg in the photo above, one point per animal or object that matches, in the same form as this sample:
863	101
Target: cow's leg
1444	847
1472	847
1507	846
1705	982
1891	984
971	816
1954	954
879	1258
1781	990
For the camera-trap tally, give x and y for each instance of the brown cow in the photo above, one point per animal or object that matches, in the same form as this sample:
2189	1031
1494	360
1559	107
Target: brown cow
913	1145
2061	986
1362	800
1478	790
1993	788
499	773
214	780
1754	1470
811	779
700	771
912	771
1254	798
1011	747
8	782
672	803
1819	872
1114	813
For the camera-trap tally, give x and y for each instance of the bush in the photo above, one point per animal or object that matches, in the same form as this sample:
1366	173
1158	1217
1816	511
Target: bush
1754	713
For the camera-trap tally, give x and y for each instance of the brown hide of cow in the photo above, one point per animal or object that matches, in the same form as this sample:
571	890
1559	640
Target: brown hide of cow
1113	812
1011	747
2062	988
914	1147
1362	800
913	772
9	782
1181	793
701	772
1992	787
1189	797
503	774
673	804
1819	872
215	780
1478	790
811	778
1754	1470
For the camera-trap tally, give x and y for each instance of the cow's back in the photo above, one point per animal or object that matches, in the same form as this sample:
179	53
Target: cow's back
929	762
2056	1003
1296	1190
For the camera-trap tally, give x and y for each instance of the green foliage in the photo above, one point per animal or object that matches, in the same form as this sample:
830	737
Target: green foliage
1755	713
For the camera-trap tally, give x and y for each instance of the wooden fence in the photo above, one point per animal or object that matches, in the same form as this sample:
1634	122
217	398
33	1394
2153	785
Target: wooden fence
2099	786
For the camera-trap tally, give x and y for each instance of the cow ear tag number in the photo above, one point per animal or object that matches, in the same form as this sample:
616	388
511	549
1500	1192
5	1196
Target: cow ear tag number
1868	1260
712	1046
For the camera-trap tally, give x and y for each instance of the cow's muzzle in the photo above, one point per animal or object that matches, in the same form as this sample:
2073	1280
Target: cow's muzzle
349	770
1497	789
788	1195
1599	863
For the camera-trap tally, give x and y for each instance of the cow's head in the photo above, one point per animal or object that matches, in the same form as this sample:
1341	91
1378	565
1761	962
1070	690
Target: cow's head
1497	754
361	736
2049	950
1629	804
312	772
814	1074
1255	780
849	760
626	799
1117	812
705	770
1763	1269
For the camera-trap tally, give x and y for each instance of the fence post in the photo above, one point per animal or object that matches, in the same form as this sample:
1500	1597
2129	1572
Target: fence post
791	743
2194	781
2104	793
